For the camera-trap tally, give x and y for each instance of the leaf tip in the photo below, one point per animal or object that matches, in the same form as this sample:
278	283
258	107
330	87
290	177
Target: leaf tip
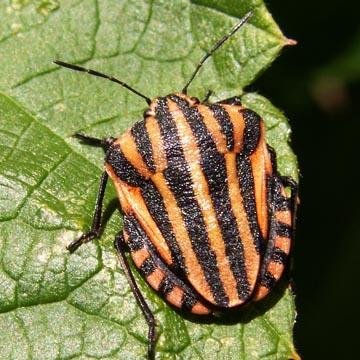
290	42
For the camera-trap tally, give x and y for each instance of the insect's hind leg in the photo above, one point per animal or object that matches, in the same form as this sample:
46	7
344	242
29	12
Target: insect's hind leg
157	274
121	246
281	233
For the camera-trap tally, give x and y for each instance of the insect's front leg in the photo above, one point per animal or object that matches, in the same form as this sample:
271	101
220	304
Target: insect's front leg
92	141
121	247
96	221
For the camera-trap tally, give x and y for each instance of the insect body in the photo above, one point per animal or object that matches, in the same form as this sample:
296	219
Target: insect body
197	187
206	217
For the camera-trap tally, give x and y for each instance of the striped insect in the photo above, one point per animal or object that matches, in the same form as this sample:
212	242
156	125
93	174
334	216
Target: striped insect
207	220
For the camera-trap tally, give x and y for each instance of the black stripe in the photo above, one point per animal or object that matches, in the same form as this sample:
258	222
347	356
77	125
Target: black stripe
188	301
283	230
272	154
246	181
251	131
138	240
143	144
156	207
122	167
227	128
268	280
135	232
179	180
214	168
147	267
137	235
281	202
166	286
279	256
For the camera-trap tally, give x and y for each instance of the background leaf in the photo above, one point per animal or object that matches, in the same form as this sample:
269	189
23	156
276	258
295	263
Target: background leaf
57	306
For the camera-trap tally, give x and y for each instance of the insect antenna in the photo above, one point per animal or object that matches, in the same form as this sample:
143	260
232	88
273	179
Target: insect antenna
215	47
99	74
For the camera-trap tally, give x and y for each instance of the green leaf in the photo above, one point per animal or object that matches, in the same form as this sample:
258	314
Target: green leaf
60	306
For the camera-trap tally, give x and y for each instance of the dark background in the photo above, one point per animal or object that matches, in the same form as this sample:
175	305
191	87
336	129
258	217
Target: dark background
320	93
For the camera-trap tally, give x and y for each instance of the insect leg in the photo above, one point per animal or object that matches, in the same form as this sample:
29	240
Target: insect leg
120	246
282	212
168	283
104	143
207	96
96	221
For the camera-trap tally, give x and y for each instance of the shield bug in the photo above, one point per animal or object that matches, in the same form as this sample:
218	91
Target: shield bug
207	220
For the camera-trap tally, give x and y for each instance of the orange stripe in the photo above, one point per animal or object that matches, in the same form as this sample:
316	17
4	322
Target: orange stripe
129	149
150	227
155	278
120	190
201	191
214	128
140	256
261	292
251	257
284	217
159	156
200	309
283	243
258	165
175	296
238	123
195	273
275	269
126	236
132	202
